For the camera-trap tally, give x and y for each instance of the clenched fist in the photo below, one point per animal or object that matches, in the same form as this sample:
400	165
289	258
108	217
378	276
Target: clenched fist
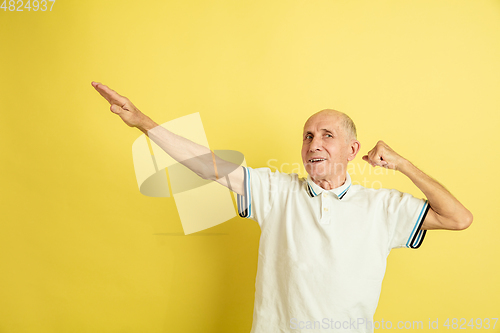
382	155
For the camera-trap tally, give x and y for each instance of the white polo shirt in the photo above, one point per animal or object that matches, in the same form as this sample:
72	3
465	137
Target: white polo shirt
322	253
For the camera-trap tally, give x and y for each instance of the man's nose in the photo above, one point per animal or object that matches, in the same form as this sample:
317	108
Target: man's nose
315	144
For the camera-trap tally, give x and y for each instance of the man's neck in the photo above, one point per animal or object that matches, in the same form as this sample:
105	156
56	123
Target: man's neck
330	183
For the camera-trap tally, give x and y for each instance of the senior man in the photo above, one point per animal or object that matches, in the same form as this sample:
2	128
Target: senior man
324	241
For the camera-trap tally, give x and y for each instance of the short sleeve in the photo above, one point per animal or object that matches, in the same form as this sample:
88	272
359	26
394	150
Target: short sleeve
406	215
261	186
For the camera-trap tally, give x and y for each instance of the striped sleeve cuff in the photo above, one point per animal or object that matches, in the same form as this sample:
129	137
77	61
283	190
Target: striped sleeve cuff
244	201
417	235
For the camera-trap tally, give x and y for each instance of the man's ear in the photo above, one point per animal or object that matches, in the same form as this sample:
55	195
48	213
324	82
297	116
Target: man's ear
354	147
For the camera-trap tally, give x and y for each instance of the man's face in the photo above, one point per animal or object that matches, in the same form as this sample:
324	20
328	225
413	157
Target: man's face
324	139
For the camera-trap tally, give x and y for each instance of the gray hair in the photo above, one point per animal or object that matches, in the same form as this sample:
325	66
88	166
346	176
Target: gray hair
347	124
349	127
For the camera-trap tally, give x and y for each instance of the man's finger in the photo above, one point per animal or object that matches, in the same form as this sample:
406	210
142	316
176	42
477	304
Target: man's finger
378	161
104	93
372	155
109	94
116	109
367	159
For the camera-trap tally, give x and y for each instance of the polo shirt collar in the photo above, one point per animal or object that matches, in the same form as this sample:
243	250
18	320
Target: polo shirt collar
314	190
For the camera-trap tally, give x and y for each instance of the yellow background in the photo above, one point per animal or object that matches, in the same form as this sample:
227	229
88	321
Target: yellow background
81	250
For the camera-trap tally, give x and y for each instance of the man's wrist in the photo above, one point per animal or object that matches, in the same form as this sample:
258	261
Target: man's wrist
146	125
404	165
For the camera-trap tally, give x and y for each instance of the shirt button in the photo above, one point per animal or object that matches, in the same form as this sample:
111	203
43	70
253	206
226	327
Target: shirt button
325	209
325	194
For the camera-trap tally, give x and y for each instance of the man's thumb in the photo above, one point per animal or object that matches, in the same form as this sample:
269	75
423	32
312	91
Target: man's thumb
116	109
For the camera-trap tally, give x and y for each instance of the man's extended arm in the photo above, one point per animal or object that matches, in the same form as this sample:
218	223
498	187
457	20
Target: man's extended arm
445	212
198	158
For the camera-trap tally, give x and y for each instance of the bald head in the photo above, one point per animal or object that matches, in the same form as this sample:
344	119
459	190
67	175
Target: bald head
346	122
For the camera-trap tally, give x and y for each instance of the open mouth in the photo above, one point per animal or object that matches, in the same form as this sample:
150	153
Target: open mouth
316	160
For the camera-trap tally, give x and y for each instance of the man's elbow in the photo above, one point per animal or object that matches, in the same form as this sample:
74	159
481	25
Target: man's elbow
465	220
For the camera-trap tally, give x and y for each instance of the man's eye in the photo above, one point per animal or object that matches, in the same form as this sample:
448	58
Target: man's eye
308	137
330	135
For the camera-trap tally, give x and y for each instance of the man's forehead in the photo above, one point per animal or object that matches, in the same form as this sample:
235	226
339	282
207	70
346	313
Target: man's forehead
328	123
329	129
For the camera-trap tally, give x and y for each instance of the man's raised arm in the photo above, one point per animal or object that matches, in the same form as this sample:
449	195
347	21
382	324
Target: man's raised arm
445	212
198	158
